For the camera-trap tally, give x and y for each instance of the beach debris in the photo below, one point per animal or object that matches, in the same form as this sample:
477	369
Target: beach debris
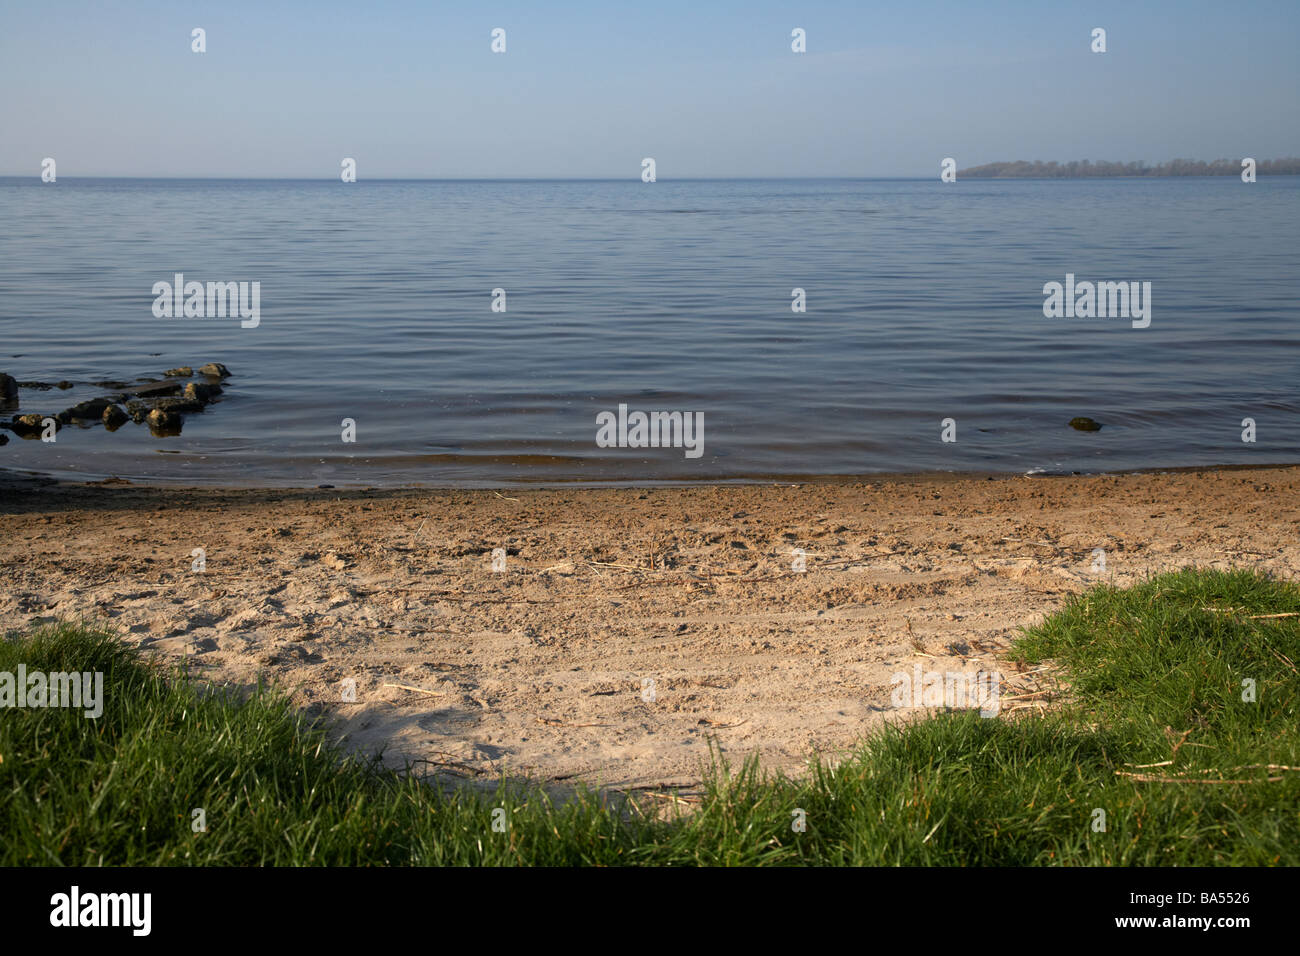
1085	424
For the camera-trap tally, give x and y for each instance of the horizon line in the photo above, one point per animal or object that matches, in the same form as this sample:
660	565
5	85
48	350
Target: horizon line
517	179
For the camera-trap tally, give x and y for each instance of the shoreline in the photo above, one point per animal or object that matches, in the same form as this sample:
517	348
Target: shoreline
539	670
11	478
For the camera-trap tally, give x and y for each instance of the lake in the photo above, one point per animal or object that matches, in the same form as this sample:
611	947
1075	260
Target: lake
924	303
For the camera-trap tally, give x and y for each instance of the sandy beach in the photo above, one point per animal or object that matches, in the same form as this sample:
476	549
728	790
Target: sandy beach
629	627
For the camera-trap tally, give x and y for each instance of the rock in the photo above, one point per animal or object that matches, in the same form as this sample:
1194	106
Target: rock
199	392
8	387
31	426
90	410
164	423
65	385
183	372
4	439
1085	424
215	370
138	411
115	418
39	386
181	405
155	389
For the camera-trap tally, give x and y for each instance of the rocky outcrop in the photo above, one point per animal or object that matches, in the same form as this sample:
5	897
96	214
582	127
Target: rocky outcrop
161	404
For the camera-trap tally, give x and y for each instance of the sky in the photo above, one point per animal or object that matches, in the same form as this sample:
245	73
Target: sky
708	89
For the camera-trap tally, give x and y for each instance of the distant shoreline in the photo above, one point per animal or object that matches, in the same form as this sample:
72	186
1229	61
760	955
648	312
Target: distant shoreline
1019	169
1086	169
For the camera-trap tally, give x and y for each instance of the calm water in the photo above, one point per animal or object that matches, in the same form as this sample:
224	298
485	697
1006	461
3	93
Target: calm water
924	302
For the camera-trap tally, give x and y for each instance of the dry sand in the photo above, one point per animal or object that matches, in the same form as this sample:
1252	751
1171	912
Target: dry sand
539	670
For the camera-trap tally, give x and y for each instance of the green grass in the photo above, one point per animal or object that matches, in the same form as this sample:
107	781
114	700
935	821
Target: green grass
952	790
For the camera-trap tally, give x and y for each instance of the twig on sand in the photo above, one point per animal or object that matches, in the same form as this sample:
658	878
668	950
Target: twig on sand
645	584
419	690
441	595
917	644
1037	693
690	799
717	726
449	763
621	567
668	796
504	497
560	723
1041	544
1031	705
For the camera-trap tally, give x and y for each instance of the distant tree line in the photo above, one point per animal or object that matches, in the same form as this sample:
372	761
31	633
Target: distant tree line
1082	168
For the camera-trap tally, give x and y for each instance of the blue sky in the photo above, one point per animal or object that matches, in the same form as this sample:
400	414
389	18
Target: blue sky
588	89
